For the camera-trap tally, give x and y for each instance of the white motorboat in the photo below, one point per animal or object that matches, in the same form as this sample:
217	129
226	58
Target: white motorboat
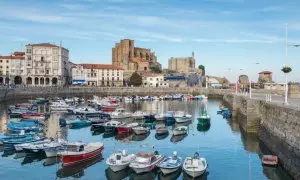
86	111
170	164
128	99
180	130
181	117
111	125
59	106
120	113
145	162
119	160
40	148
161	129
19	147
160	117
139	115
195	166
140	130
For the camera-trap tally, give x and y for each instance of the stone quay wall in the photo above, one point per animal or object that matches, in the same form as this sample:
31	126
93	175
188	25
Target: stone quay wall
294	90
33	92
278	127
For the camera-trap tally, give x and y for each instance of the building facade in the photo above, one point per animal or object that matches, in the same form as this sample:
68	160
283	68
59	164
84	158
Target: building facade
12	68
154	80
265	77
97	75
46	65
182	64
132	58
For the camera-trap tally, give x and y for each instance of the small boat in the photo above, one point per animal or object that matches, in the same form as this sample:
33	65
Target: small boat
23	125
146	162
107	106
85	111
119	160
120	113
169	117
180	130
204	118
13	136
80	123
12	142
149	118
170	164
126	128
175	139
161	129
98	120
52	151
35	116
140	130
79	152
139	115
40	148
269	160
19	147
195	166
181	117
59	106
111	126
160	117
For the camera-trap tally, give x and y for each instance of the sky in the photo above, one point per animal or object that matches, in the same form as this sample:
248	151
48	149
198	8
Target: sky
229	37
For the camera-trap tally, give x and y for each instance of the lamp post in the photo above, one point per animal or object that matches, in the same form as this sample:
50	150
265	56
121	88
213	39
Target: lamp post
286	58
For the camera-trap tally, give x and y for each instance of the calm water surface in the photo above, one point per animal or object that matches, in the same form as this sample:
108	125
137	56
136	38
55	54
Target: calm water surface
230	153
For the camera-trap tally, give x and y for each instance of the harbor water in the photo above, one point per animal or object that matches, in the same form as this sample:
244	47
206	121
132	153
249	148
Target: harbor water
230	152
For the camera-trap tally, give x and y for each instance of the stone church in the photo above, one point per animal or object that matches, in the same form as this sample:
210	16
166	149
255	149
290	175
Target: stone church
182	64
132	58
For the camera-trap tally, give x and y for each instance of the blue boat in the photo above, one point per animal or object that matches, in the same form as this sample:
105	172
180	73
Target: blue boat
23	125
149	118
170	164
13	136
27	139
78	123
169	117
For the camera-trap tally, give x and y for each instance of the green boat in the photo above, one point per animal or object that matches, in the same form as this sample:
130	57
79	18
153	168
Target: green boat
15	115
204	118
41	100
203	127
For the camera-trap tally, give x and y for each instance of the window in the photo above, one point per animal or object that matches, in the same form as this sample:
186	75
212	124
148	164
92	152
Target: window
117	78
28	65
0	66
156	79
42	58
150	79
7	67
0	61
6	61
1	73
102	78
47	71
112	78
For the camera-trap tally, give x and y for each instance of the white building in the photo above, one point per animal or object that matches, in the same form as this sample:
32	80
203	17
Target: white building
274	86
46	65
154	80
97	75
12	68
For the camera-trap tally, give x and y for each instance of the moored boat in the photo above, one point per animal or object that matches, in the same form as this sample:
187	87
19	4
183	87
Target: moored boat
111	125
180	130
159	117
79	152
78	123
170	164
161	129
140	130
36	116
195	166
120	113
181	117
269	160
139	115
118	161
145	162
126	128
19	147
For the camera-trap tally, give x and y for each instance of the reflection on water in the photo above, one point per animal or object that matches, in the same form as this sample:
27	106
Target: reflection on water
222	143
77	170
202	177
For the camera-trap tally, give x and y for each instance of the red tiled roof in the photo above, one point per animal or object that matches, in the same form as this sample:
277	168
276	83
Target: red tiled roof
44	44
12	57
19	53
101	66
265	72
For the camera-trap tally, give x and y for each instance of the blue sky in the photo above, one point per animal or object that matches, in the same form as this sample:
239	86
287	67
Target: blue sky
224	34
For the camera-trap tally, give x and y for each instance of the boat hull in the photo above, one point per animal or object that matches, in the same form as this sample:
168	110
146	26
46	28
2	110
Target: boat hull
124	129
144	169
182	119
167	171
116	168
178	133
194	173
68	160
140	132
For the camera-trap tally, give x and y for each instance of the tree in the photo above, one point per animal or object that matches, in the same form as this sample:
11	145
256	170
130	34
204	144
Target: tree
201	67
135	79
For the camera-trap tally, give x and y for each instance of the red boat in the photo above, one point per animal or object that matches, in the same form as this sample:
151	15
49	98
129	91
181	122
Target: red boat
37	116
79	152
111	107
270	160
126	128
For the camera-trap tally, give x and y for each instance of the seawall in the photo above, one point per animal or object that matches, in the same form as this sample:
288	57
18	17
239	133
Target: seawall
278	127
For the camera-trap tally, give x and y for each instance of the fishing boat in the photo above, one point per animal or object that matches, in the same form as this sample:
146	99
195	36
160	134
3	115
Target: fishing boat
169	117
40	148
98	120
12	142
269	160
182	117
145	162
60	146
180	130
161	129
126	128
120	113
195	166
59	106
86	111
107	106
204	118
78	123
35	116
111	125
160	117
170	164
23	125
79	152
119	160
19	147
140	130
139	115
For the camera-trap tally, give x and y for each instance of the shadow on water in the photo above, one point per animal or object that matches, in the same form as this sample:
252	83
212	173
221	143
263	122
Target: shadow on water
8	152
202	177
161	136
140	137
176	139
29	159
148	175
77	170
109	134
51	161
172	176
203	128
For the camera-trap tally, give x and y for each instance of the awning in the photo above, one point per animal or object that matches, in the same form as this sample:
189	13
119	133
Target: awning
78	81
